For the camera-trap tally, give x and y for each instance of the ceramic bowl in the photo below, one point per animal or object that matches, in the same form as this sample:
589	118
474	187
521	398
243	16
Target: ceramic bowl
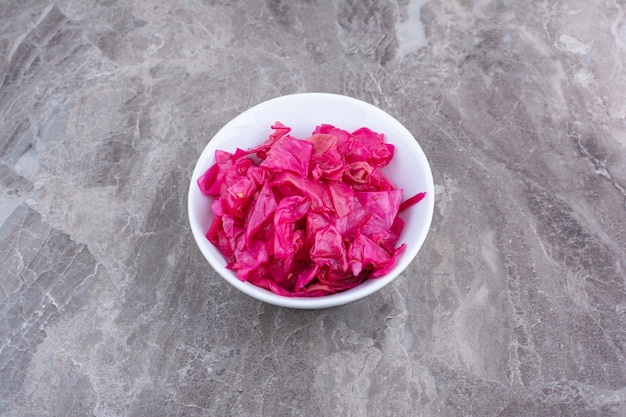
408	170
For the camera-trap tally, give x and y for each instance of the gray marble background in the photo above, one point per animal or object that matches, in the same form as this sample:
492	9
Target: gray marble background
516	305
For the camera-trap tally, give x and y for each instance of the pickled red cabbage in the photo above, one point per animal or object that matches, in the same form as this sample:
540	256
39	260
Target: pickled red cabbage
307	217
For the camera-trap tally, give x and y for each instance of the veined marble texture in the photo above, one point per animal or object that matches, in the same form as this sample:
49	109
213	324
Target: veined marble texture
515	306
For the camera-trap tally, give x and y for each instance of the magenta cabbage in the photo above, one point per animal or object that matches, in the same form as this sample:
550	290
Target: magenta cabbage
307	217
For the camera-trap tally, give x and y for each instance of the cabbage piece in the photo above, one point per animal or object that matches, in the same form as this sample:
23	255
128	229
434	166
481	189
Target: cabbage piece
289	183
365	253
217	207
383	270
411	201
305	274
379	182
362	176
236	195
357	174
335	281
379	153
260	212
344	138
281	271
322	143
279	132
388	239
264	279
207	181
230	226
343	198
328	249
327	163
311	291
218	237
287	239
383	206
358	153
211	181
289	154
259	175
249	258
316	221
236	187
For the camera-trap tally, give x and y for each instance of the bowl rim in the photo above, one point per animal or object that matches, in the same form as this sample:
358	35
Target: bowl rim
361	291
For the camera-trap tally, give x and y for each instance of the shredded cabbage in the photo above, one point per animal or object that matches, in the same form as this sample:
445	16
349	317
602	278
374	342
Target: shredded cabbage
307	217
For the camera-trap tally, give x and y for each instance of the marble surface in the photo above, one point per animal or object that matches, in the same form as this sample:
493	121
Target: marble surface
515	306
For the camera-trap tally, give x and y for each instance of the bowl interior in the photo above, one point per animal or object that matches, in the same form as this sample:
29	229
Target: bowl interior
408	170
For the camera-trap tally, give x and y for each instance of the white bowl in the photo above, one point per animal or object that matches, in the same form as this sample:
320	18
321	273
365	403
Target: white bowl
408	170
